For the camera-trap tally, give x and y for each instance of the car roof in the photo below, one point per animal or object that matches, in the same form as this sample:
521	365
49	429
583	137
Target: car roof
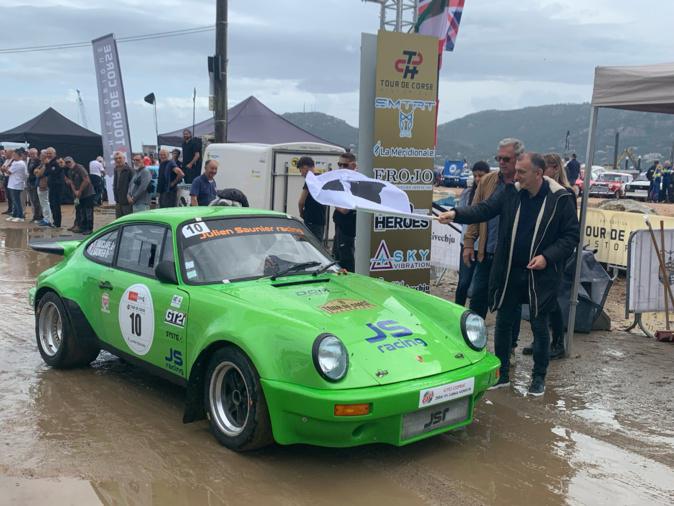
177	215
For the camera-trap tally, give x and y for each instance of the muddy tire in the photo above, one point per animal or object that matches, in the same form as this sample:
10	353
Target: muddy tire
235	404
59	344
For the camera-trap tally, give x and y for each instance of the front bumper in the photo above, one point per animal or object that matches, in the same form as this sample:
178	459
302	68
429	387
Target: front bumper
306	415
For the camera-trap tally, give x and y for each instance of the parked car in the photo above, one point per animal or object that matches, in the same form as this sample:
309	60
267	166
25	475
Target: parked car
639	188
272	340
610	184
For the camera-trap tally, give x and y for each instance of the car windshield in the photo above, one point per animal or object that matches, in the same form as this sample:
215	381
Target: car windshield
611	177
237	249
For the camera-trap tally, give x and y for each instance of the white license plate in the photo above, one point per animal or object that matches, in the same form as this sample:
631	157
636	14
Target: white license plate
435	417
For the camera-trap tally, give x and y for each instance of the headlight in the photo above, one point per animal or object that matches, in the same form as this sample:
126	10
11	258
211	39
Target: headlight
330	357
474	330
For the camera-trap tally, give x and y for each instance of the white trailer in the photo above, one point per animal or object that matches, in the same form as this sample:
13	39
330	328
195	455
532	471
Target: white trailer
268	173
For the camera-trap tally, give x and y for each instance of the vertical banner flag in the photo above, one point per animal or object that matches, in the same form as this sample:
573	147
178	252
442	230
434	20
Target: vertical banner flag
404	153
111	103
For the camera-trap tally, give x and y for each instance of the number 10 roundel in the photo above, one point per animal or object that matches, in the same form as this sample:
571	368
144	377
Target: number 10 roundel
136	318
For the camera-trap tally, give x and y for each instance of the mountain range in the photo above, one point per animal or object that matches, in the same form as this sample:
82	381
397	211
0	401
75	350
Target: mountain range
542	128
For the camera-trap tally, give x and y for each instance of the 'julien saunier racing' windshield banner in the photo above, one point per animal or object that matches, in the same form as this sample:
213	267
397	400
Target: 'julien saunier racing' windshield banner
111	102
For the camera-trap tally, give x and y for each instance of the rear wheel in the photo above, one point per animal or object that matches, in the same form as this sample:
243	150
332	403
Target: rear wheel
59	344
236	407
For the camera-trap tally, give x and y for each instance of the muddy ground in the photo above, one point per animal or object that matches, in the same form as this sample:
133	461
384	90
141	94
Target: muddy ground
112	434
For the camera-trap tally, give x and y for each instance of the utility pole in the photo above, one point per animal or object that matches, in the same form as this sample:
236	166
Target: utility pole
220	74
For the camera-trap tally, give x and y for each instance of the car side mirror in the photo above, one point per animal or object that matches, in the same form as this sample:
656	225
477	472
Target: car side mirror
166	272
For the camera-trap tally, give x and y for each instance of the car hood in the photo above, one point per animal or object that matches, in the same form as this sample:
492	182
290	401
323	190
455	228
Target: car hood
392	333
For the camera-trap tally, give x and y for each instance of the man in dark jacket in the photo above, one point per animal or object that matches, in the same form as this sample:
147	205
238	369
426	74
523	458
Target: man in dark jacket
539	230
170	175
120	185
572	170
84	195
343	246
31	185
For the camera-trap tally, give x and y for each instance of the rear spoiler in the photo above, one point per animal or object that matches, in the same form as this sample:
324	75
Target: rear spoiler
55	246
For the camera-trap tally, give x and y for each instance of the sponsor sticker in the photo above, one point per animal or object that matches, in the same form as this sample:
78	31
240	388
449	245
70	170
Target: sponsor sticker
174	336
174	361
105	302
344	305
136	318
313	291
174	318
192	229
176	301
191	274
448	392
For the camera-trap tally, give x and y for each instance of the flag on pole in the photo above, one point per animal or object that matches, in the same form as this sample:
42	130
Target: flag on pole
441	19
349	189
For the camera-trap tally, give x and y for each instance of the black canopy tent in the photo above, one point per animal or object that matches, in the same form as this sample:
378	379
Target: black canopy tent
248	121
51	128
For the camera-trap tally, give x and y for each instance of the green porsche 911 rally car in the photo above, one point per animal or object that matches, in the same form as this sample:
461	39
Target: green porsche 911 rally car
271	339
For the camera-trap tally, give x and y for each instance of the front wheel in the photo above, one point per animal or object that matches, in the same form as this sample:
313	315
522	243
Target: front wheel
236	407
57	341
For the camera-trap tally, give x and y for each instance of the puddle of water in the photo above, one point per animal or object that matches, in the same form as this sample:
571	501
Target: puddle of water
60	492
599	415
608	475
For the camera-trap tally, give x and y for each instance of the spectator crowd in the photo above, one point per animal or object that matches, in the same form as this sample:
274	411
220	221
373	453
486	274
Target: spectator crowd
44	180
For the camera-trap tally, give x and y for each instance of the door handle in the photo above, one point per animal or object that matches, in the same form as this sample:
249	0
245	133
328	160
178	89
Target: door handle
105	285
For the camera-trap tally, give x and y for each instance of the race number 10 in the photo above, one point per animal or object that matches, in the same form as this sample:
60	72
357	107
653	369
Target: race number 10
195	229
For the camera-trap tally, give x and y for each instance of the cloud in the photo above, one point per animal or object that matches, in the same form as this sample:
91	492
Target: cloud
297	55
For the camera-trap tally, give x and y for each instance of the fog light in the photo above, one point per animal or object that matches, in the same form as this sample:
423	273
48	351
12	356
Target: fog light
352	409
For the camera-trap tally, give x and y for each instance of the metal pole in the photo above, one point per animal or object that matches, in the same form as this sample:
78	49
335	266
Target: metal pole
194	109
589	159
156	125
615	151
221	65
399	16
368	63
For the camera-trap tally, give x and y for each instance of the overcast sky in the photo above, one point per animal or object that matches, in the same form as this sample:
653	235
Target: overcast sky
299	55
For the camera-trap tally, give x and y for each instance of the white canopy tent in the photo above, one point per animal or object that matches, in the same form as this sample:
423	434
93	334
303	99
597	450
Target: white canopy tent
647	88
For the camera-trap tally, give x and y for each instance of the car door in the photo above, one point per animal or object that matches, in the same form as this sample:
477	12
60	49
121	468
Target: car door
147	318
96	302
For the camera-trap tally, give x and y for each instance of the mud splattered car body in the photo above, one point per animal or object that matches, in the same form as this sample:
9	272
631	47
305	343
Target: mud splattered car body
272	341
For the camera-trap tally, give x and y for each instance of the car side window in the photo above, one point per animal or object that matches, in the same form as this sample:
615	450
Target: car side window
140	247
167	253
102	250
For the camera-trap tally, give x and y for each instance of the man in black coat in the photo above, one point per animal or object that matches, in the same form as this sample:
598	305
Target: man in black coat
538	231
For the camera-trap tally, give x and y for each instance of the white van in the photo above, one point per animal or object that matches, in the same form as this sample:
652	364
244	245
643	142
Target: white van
267	173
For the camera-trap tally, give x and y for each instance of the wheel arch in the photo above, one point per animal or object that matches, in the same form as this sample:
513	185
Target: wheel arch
41	293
